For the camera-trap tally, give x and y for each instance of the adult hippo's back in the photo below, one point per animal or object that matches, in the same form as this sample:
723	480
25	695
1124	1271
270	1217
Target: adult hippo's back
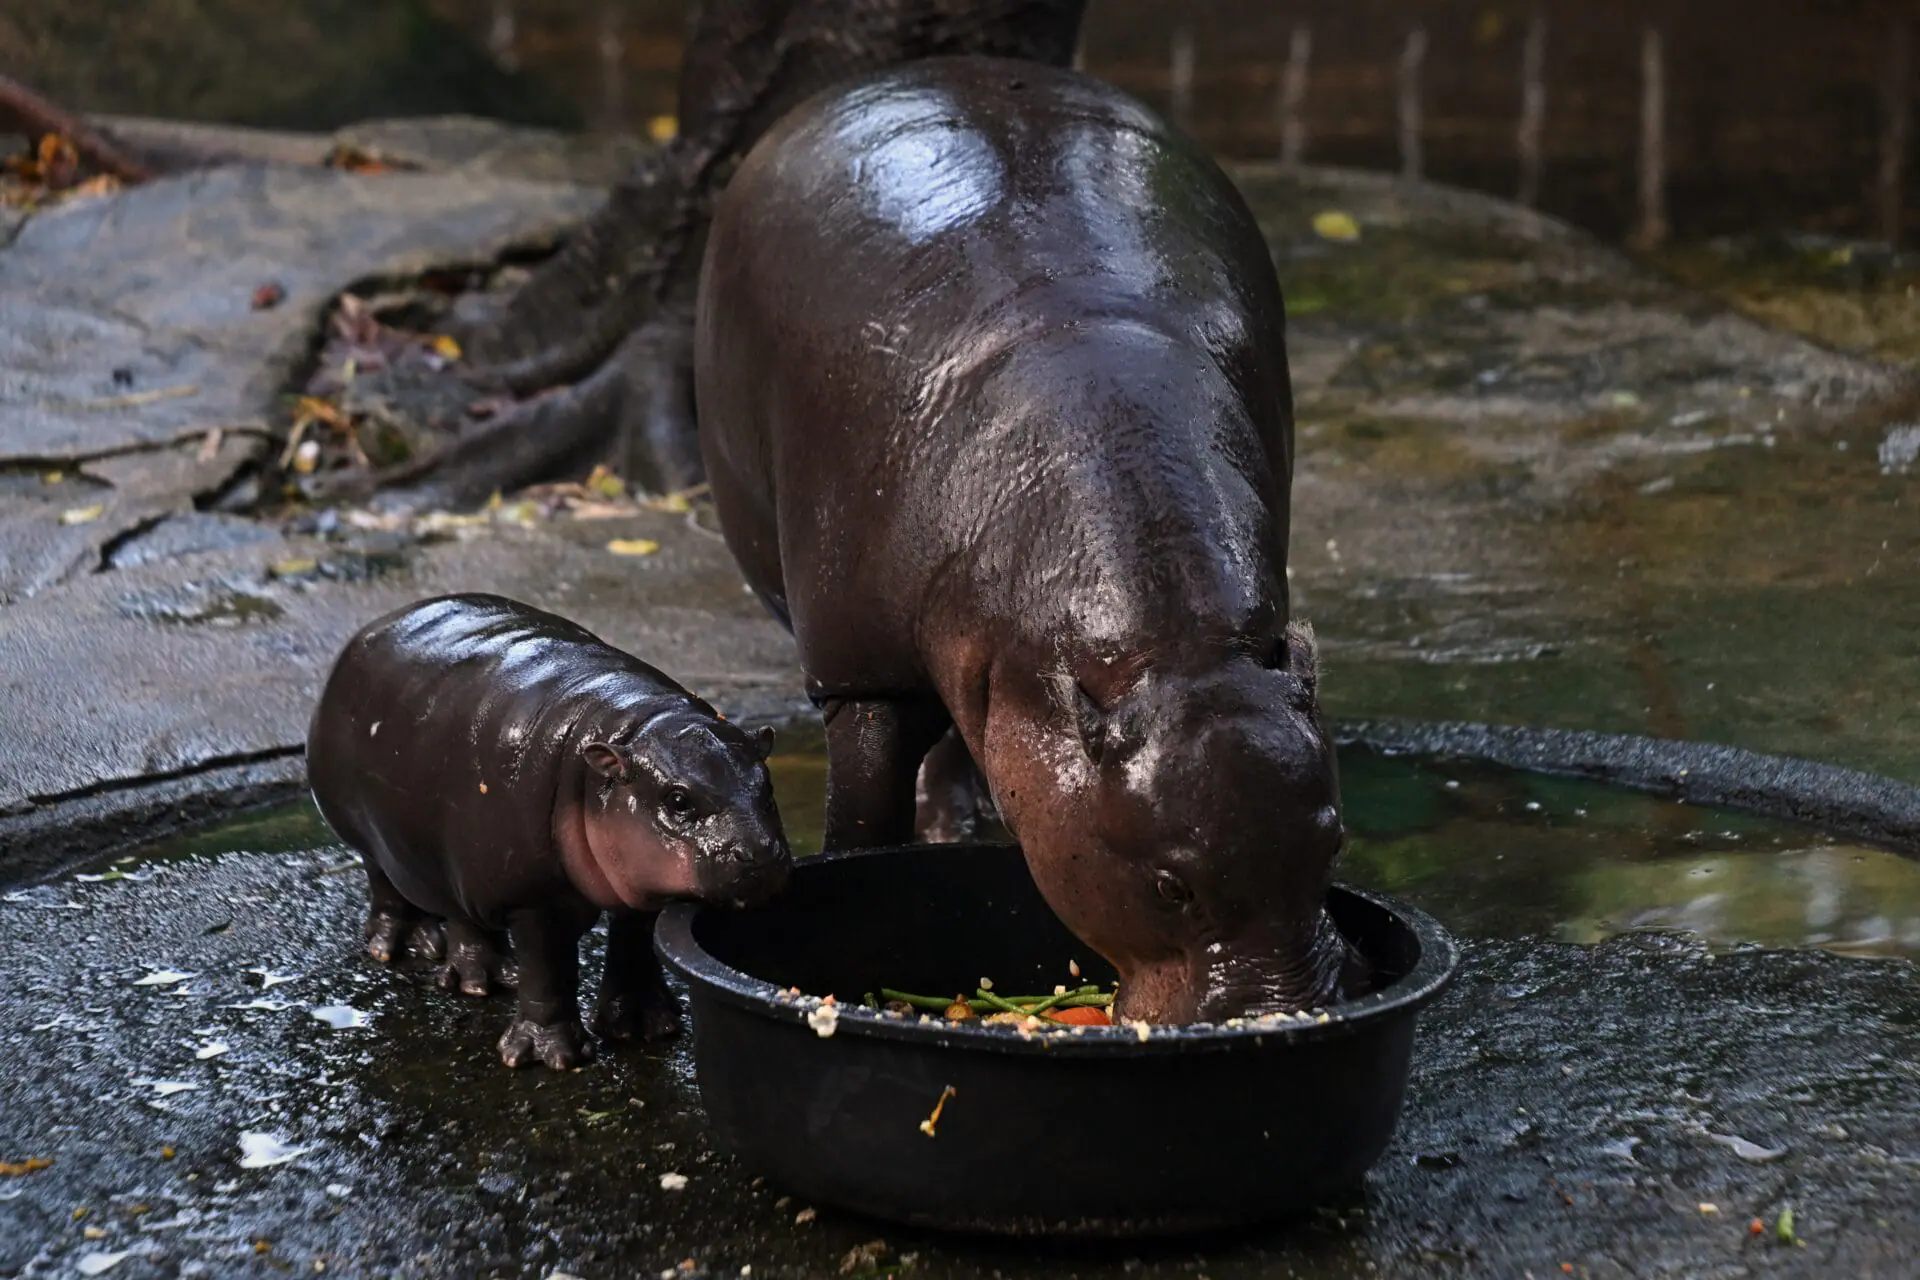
993	396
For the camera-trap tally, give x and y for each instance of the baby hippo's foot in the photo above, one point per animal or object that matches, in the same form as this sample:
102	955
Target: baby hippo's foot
394	933
561	1045
645	1016
475	961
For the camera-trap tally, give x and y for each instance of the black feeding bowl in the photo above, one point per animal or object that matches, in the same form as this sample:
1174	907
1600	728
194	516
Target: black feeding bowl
1098	1133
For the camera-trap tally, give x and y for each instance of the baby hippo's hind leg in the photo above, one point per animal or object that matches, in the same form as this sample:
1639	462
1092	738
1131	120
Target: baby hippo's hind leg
476	959
394	925
635	1003
546	1027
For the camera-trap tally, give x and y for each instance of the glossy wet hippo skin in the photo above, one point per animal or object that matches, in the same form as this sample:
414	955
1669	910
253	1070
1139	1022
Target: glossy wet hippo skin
506	772
993	396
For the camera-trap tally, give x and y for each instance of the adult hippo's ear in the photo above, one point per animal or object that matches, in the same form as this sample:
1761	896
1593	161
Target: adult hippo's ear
762	739
606	761
1303	661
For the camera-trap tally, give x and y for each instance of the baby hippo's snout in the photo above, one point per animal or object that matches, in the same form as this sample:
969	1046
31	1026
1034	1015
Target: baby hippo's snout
746	870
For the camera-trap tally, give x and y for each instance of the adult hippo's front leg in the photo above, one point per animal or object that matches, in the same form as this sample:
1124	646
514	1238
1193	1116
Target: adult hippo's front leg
874	750
635	1002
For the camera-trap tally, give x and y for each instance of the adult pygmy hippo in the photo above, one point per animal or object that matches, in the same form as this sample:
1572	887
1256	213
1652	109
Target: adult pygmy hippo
993	397
507	771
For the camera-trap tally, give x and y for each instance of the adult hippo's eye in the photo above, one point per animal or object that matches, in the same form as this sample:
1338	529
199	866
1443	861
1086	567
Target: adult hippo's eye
678	802
1172	888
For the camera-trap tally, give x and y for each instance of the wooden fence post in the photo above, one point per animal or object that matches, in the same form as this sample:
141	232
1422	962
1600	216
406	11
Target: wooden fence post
503	36
1412	161
1896	114
1533	106
1293	97
1652	230
613	77
1180	74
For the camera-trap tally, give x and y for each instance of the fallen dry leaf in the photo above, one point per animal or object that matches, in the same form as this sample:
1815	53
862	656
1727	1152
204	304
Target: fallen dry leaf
83	515
633	546
15	1168
444	346
1335	225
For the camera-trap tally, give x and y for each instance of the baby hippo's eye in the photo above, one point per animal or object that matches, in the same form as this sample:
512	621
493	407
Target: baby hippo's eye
678	801
1172	887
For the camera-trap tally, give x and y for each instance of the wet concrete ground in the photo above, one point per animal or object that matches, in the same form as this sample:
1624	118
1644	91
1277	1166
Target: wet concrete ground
1572	1106
1536	485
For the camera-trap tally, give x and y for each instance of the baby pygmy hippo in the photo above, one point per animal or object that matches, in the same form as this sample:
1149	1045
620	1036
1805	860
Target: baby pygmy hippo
513	775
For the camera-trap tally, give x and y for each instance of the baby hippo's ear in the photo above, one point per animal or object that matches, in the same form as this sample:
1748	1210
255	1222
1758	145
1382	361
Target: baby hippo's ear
605	761
762	739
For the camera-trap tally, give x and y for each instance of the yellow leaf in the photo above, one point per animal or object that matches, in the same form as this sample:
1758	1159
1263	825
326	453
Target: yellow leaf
33	1164
633	546
53	477
445	346
294	568
82	515
662	128
1335	225
673	504
606	484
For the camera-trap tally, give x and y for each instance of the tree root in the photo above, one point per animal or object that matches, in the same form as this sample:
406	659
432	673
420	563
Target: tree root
26	113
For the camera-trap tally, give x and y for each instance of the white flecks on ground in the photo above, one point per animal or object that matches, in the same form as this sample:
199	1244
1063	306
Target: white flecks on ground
339	1190
1900	449
270	1006
1748	1150
825	1020
342	1017
96	1264
162	978
212	1049
265	1150
268	978
164	1088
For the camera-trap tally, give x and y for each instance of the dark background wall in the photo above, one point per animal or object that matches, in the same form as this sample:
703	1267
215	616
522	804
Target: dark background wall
1777	112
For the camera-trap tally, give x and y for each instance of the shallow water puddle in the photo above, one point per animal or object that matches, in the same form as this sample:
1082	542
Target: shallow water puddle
1491	853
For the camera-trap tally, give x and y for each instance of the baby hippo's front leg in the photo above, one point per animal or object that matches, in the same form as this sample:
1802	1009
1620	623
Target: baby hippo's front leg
546	1026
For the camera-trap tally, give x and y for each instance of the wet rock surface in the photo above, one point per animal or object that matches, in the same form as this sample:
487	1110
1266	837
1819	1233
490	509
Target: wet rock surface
1571	1106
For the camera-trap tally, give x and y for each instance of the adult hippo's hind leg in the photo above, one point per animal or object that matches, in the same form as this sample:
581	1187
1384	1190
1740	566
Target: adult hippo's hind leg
546	1026
635	1002
476	960
953	802
874	750
394	925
